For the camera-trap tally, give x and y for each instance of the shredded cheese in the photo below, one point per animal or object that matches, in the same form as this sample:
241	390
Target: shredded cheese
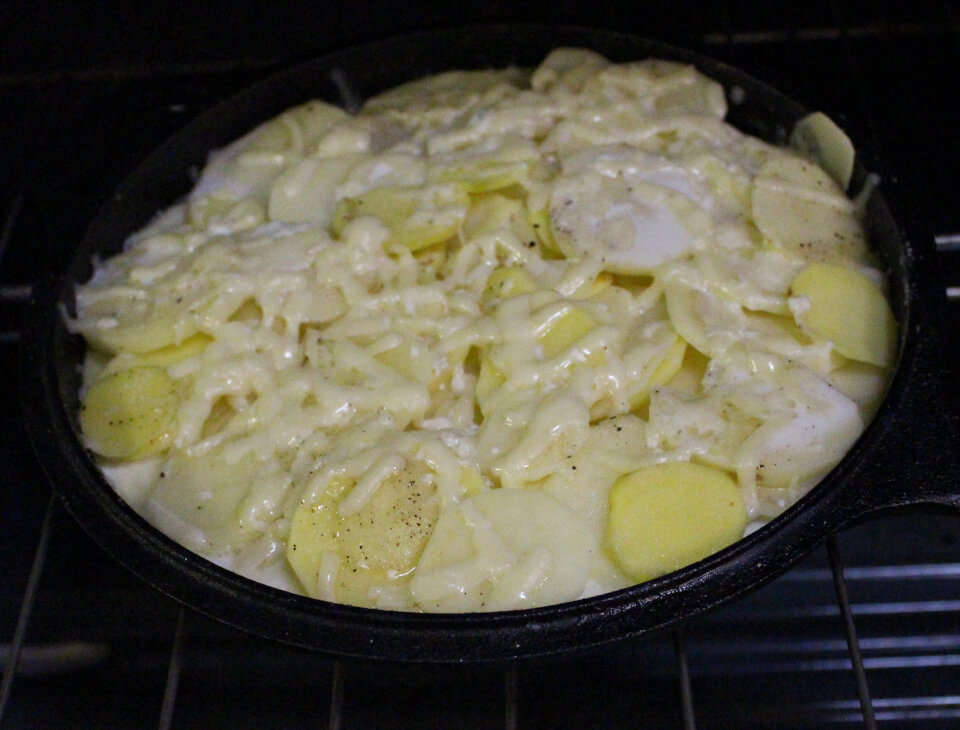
414	348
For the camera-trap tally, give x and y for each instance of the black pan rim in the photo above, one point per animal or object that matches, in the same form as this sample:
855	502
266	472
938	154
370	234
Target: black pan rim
365	633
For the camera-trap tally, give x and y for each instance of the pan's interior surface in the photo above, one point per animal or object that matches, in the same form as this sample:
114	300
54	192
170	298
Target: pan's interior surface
52	357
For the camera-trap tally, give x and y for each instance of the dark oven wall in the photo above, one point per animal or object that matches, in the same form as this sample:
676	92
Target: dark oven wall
866	64
86	90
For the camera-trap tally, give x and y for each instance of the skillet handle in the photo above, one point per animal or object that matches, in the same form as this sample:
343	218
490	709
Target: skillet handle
941	429
914	460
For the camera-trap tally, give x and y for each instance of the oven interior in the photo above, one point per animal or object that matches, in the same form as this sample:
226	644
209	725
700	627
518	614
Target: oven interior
863	633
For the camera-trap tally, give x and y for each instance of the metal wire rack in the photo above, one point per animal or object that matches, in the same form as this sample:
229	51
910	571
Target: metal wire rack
82	643
514	703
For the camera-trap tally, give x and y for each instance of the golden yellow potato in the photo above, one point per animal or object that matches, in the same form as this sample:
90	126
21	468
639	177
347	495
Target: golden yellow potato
172	354
497	215
377	544
540	221
667	367
489	381
689	377
313	532
670	515
130	413
482	175
560	333
843	306
507	282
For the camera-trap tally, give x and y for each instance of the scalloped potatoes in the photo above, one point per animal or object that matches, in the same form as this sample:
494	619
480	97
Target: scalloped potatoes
499	340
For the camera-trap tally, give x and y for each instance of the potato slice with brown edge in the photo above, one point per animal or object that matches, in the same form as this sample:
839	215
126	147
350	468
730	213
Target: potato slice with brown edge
130	413
670	515
844	306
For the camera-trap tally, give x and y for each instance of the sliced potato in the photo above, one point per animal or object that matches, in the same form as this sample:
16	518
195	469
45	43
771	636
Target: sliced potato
439	97
506	548
661	370
862	383
138	319
844	306
664	87
567	68
593	288
797	446
497	215
305	191
507	282
481	175
560	332
138	307
472	480
201	498
172	354
224	213
247	166
670	515
540	221
378	544
299	128
705	320
130	413
416	217
164	357
412	359
817	136
615	446
797	206
313	534
652	361
400	169
689	376
489	381
650	224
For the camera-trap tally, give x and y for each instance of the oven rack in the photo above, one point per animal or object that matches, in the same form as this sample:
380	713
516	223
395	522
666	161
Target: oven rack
678	680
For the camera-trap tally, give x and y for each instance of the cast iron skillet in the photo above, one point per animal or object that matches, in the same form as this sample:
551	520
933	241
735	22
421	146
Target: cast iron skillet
904	457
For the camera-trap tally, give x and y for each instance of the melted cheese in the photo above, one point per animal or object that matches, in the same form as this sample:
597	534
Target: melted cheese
414	348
